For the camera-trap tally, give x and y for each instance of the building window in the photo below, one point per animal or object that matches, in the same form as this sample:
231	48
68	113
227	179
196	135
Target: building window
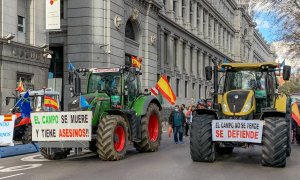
158	77
166	48
21	22
62	14
193	86
129	30
177	86
205	92
174	51
26	80
168	77
191	60
209	27
185	89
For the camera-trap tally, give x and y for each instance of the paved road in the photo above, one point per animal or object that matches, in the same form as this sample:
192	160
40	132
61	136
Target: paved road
171	162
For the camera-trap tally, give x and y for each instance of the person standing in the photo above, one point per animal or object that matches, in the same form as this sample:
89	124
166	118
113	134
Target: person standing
176	121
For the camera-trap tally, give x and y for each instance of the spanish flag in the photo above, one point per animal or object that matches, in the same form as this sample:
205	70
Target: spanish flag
165	89
136	62
50	102
8	117
295	113
20	88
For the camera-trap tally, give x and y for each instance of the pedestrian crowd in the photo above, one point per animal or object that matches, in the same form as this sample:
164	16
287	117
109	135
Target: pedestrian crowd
181	118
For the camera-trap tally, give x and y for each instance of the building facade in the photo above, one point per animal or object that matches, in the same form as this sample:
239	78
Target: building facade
174	37
23	54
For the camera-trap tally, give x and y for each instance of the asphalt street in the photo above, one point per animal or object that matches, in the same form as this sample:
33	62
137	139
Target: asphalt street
171	162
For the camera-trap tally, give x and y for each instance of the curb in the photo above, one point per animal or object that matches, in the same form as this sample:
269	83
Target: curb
18	150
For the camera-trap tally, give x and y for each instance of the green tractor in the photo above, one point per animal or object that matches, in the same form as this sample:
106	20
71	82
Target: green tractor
121	114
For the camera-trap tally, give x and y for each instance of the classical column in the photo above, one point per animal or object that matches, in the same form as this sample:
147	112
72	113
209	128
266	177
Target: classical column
217	34
225	40
200	25
179	54
206	35
187	58
170	52
194	61
194	17
221	39
200	63
178	12
212	22
162	48
187	13
170	9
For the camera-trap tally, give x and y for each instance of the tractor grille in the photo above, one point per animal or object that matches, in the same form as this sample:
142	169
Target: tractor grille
237	102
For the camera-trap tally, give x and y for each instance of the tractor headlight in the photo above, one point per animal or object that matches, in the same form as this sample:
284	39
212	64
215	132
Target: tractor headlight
247	106
224	107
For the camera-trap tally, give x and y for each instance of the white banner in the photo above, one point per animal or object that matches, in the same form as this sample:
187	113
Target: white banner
62	126
52	14
7	123
237	130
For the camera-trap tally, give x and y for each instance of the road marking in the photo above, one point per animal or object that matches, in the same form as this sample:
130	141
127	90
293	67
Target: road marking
20	168
34	158
11	176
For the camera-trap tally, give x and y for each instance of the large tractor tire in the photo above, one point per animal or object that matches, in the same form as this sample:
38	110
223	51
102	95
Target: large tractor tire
151	128
112	138
27	137
275	142
224	150
298	134
55	153
201	144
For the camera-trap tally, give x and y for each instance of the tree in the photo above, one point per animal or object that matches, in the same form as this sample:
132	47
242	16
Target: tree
285	15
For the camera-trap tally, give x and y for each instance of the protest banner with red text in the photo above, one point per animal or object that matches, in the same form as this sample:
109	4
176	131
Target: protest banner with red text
62	126
237	130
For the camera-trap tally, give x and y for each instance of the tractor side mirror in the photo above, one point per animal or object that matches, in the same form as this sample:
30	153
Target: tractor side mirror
7	100
286	73
208	73
71	77
77	86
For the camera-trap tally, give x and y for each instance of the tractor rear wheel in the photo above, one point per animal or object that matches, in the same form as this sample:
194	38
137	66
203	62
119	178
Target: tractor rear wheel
55	153
112	138
27	137
151	130
275	142
201	144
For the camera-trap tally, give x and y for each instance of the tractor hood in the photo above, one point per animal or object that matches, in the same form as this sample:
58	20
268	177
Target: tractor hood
238	102
76	106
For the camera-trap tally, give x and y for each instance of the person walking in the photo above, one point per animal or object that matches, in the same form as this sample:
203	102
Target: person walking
176	121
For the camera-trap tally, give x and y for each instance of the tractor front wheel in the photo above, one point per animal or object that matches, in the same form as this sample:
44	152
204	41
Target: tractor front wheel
275	142
151	130
112	138
27	137
201	144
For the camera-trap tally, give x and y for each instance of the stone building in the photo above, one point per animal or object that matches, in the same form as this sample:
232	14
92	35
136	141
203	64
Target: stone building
23	54
175	37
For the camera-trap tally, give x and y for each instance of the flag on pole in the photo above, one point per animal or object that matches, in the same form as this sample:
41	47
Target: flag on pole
165	89
136	62
20	88
154	91
295	113
83	102
71	67
282	63
8	117
24	104
50	102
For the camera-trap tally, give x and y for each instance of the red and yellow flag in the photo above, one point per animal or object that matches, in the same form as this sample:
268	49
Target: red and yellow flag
8	117
20	88
295	113
165	89
50	102
136	62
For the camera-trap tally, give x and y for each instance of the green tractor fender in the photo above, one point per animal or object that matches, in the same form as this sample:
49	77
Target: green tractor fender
142	103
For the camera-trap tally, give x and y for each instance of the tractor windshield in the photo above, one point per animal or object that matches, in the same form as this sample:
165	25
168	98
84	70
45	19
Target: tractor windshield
246	80
105	82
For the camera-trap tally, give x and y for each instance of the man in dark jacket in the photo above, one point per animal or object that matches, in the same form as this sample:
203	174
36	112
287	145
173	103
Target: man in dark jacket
177	120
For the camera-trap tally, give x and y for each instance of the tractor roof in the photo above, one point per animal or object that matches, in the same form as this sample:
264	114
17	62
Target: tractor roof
48	91
250	66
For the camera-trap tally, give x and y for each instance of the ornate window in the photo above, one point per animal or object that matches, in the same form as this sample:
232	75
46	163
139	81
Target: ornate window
129	30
